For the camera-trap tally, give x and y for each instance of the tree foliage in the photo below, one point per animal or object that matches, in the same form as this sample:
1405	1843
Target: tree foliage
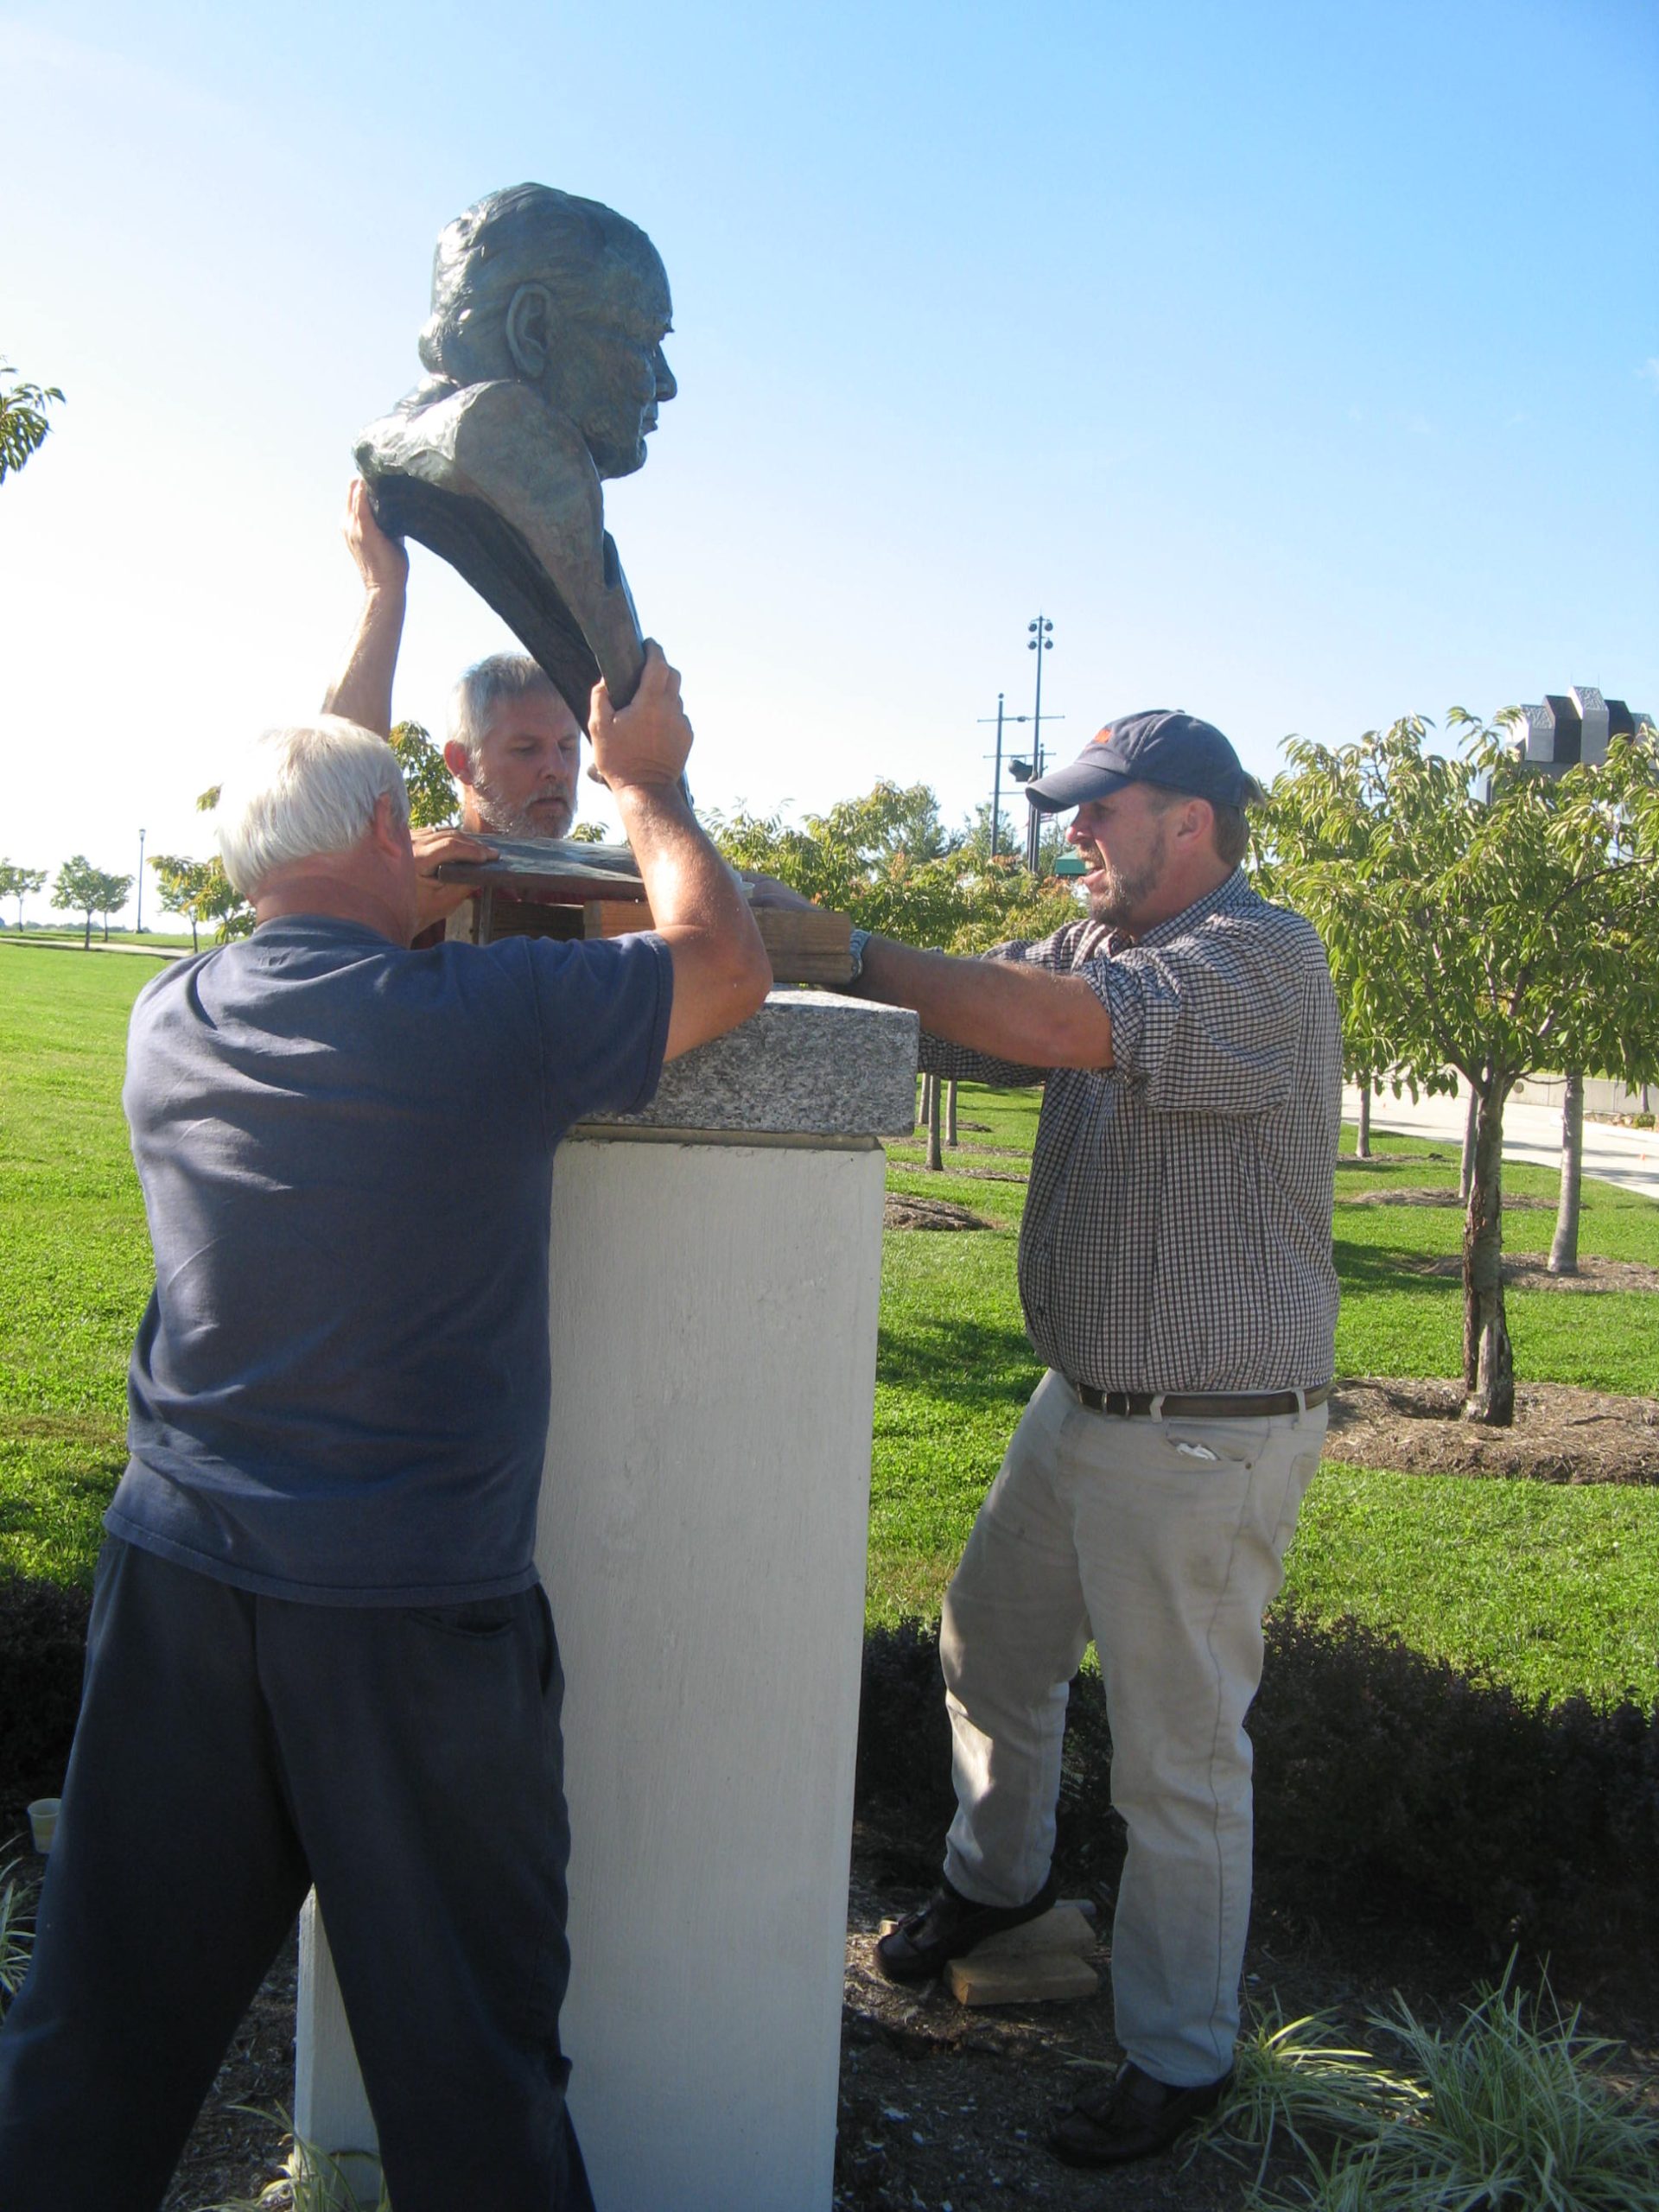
434	801
183	883
887	861
1482	920
83	889
20	883
23	426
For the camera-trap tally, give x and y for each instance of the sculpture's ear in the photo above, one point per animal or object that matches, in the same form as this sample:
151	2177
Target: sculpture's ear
530	330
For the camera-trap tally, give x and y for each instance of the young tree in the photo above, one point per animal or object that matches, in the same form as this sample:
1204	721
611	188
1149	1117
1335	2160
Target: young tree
20	883
23	425
183	883
111	893
77	890
1564	1245
1481	921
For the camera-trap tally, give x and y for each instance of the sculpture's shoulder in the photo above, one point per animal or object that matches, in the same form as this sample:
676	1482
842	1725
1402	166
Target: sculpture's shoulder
471	426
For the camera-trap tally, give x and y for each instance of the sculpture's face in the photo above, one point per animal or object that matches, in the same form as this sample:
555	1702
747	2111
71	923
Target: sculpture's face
524	783
607	371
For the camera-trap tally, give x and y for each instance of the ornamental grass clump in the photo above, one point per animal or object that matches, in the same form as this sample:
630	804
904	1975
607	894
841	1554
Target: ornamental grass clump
311	2179
1512	2110
17	1895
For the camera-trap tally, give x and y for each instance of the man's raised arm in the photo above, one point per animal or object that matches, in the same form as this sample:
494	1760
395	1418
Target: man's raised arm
721	974
362	691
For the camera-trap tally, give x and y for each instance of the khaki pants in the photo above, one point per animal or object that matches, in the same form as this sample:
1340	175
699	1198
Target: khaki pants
1166	1541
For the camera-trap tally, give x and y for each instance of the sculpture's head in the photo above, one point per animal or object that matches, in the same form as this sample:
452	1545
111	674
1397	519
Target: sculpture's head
564	294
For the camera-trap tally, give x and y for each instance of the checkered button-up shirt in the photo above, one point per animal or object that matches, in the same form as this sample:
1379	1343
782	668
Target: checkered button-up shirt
1177	1231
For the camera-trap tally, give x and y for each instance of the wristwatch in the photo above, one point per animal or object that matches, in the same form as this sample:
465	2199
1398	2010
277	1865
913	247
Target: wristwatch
855	945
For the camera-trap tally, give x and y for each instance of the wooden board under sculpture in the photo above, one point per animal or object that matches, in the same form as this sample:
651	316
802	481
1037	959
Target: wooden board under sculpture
565	887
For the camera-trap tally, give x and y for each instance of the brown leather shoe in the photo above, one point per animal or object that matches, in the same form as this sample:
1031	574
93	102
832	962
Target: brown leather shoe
949	1924
1135	2118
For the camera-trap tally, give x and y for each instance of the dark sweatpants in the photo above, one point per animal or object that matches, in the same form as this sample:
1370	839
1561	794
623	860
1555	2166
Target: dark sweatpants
232	1750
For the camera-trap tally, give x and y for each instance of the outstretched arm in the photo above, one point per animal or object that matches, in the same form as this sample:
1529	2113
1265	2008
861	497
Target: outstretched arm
1013	1010
362	692
721	974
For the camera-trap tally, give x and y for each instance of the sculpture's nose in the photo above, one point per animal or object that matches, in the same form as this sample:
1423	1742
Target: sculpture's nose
666	386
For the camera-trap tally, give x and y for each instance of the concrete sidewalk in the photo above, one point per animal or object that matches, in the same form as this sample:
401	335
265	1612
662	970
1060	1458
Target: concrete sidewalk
1531	1135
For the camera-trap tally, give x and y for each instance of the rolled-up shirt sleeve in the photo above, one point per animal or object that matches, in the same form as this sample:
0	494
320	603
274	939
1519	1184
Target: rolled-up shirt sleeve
1207	1024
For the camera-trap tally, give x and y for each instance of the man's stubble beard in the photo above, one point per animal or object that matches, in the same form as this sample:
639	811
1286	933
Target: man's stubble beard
1121	896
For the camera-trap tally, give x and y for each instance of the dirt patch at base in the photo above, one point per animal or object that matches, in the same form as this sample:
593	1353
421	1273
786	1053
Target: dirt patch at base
1561	1435
930	1213
1530	1271
1436	1194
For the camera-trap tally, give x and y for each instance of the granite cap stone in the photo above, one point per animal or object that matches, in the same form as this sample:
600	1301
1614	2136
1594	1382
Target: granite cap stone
809	1063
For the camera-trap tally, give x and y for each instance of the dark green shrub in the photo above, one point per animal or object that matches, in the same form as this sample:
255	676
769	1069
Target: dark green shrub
1389	1786
42	1645
1391	1791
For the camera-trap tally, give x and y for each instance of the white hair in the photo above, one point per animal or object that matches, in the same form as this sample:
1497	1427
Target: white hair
503	678
312	788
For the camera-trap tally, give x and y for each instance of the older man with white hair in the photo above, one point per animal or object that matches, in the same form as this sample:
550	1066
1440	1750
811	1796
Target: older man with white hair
319	1651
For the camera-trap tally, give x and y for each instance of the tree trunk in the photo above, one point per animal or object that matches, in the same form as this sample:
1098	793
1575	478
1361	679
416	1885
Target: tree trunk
195	945
950	1111
1564	1250
933	1105
921	1109
86	942
1488	1365
1363	1133
1466	1171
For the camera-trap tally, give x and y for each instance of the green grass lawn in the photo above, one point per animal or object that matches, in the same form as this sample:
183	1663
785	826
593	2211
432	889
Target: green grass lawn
1553	1589
78	1260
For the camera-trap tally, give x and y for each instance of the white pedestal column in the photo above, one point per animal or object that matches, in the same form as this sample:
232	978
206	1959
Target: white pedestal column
716	1271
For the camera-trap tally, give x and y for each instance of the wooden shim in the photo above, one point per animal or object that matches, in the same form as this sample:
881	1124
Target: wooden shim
804	946
1033	1980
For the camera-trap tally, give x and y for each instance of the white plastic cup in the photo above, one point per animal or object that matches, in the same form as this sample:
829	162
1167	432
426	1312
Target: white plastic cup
43	1823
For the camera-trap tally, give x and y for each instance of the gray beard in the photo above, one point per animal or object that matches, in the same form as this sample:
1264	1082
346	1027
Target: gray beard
506	820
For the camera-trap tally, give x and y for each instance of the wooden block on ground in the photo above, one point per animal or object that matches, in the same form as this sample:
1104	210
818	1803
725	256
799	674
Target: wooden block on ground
1065	1930
1029	1980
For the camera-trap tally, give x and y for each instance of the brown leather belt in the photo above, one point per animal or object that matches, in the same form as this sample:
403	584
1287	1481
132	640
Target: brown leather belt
1241	1405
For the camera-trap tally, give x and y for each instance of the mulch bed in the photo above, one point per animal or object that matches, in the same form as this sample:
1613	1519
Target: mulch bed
930	1213
1434	1194
1530	1271
1561	1433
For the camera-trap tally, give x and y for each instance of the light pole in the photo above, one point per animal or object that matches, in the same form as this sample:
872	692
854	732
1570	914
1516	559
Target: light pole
1040	642
996	776
138	924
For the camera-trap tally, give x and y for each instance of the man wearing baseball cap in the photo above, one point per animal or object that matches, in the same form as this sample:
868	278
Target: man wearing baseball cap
1176	1273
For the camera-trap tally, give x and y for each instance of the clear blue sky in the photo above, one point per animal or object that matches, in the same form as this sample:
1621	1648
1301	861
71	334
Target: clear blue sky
1301	362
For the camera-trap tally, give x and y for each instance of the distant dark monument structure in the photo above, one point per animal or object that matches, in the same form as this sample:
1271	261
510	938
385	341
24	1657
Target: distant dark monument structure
1577	726
544	353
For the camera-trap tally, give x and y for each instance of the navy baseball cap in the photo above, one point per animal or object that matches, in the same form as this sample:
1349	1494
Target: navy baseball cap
1160	747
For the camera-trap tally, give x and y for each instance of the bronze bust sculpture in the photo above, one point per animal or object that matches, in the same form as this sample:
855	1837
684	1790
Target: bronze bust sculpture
544	353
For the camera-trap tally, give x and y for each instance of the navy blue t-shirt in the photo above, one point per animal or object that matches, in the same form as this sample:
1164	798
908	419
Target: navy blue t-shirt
340	1391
